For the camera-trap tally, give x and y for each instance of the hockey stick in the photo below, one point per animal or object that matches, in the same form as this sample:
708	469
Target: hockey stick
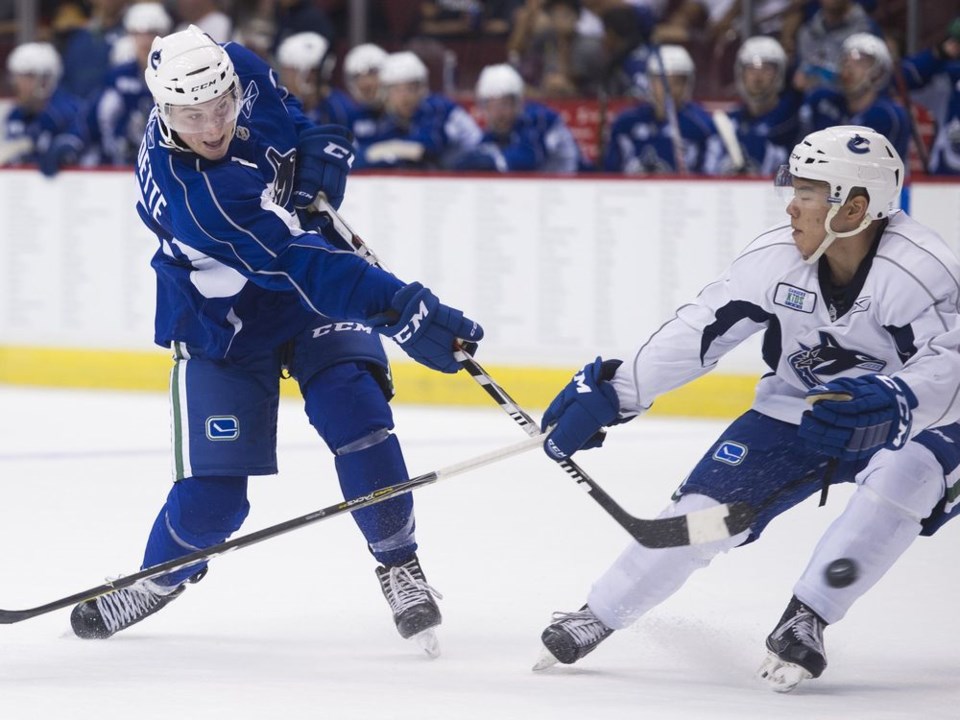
728	135
702	526
8	617
670	108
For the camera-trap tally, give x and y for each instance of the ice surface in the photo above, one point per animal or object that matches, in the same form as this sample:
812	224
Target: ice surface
296	627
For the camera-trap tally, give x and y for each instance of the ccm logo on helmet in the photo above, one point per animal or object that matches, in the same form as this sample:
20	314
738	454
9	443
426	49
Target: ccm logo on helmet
201	86
859	145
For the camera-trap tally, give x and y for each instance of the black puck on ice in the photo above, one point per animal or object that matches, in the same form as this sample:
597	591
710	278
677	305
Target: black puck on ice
841	573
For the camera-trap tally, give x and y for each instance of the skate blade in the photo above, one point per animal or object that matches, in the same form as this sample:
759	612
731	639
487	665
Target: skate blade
781	676
545	661
429	641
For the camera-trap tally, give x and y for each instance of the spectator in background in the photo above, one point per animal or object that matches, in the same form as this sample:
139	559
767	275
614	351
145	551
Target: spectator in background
820	39
553	55
85	45
457	18
417	129
520	136
937	71
206	15
864	74
361	73
110	130
765	121
643	139
305	68
41	109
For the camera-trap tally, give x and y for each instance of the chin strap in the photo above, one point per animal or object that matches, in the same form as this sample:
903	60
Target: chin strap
831	235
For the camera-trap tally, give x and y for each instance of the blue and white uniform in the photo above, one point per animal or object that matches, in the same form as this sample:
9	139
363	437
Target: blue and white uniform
768	138
922	70
825	108
441	126
41	128
640	144
336	108
899	316
538	141
244	292
118	118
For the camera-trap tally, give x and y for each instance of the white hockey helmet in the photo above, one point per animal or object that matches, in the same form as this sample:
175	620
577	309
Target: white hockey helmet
761	50
676	61
147	18
363	59
36	58
188	68
303	51
864	44
402	67
499	81
848	157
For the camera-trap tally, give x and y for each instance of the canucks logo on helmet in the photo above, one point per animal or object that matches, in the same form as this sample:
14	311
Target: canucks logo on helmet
858	144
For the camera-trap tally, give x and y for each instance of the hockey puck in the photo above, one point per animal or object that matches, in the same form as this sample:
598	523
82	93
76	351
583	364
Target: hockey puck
841	573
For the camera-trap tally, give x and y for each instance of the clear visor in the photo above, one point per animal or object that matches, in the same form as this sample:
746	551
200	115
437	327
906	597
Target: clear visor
204	116
789	187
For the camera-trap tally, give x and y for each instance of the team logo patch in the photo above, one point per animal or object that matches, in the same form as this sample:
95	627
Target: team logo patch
284	166
858	145
250	95
243	133
222	427
795	298
731	453
818	364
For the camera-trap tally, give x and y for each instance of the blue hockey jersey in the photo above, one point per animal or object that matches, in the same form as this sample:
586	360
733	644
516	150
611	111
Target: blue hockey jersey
236	272
825	108
767	139
41	128
640	144
920	70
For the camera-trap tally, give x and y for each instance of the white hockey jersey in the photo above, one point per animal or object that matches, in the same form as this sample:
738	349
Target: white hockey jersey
904	321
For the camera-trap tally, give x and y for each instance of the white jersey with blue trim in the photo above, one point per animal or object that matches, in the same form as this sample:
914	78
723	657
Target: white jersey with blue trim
235	270
900	316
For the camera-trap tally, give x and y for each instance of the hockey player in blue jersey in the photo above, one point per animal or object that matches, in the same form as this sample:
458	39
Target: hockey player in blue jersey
519	135
861	95
417	129
41	109
361	75
248	289
859	305
765	121
642	139
110	130
938	69
304	67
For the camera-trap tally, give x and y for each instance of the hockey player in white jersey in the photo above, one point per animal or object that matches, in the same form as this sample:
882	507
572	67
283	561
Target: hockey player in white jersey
859	307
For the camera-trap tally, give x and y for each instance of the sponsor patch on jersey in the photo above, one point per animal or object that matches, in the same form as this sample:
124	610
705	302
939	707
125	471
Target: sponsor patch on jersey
222	427
731	453
795	298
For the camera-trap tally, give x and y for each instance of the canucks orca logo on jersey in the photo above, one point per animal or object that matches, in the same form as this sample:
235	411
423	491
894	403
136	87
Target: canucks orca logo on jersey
283	168
815	365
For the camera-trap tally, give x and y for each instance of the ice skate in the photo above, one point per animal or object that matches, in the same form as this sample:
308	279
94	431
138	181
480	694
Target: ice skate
411	599
106	615
570	637
796	651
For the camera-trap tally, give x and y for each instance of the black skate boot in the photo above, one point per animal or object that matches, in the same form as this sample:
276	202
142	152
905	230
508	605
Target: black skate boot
415	612
103	616
795	648
570	637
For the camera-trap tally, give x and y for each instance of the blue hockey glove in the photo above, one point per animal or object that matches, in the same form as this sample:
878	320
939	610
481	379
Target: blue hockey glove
324	158
64	150
581	410
427	329
852	418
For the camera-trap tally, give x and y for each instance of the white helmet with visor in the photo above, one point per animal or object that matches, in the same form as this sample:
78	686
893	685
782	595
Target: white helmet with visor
193	83
847	157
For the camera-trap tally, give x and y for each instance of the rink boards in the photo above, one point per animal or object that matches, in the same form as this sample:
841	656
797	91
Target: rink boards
558	270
